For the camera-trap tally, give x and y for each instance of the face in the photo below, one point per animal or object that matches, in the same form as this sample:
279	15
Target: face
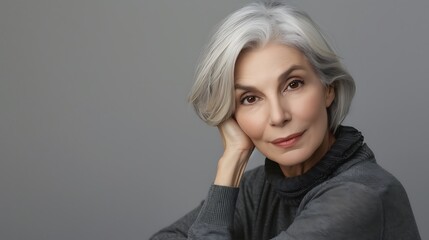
281	104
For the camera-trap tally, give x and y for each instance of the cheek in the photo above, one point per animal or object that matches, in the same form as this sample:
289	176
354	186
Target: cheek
311	109
252	123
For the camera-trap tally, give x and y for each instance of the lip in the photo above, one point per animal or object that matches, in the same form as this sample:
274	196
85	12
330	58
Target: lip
288	141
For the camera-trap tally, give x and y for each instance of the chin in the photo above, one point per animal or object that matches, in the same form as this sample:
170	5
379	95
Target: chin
290	158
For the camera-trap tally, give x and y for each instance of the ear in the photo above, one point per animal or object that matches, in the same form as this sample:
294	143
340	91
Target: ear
329	96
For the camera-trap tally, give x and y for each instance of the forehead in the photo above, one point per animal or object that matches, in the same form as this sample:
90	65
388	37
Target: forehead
271	60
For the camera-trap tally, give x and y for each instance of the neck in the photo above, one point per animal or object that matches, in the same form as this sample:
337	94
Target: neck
300	169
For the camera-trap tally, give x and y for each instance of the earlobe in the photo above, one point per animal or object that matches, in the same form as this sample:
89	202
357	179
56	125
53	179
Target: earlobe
330	95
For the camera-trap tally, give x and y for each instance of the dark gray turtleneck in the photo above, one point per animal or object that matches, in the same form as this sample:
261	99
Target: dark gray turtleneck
346	195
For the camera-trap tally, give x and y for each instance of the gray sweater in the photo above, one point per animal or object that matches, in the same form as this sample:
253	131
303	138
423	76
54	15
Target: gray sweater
347	195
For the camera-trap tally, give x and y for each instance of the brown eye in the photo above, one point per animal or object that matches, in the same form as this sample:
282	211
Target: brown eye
249	100
294	84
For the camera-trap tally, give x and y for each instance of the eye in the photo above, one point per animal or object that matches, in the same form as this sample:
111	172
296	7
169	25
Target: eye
294	84
247	100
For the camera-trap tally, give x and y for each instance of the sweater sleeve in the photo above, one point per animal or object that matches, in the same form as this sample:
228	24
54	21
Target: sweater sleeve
213	220
343	211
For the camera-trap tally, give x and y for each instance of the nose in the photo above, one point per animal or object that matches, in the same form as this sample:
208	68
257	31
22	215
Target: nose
279	113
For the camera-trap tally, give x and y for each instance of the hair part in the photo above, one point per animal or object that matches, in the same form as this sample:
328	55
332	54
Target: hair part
255	25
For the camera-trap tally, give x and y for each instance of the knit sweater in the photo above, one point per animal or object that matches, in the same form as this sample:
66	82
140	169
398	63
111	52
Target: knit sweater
346	195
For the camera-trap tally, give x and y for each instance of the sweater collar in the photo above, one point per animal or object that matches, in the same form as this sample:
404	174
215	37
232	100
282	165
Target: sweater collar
348	141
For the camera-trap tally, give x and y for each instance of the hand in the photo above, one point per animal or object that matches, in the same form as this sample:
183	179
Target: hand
234	139
237	149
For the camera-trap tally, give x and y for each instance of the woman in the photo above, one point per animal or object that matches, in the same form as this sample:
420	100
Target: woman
269	80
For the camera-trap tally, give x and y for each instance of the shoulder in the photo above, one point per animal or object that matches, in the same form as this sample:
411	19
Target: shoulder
362	188
363	195
347	198
369	175
357	188
362	169
341	210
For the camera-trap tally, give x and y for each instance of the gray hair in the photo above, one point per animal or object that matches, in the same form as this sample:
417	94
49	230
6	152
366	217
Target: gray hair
255	25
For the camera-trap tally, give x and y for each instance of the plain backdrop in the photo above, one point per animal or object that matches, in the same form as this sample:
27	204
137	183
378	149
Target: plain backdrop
97	140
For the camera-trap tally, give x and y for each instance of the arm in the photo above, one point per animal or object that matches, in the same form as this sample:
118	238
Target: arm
341	211
215	218
179	229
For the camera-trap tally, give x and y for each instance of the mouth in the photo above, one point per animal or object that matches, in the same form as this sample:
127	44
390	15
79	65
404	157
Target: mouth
288	141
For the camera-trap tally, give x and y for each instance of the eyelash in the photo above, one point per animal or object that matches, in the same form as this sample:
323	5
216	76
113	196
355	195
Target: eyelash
243	99
299	81
295	81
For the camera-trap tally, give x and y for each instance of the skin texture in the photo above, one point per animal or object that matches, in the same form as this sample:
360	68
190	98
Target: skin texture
237	149
279	95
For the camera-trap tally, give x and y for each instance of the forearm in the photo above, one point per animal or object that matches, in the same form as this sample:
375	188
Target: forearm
216	218
179	229
213	220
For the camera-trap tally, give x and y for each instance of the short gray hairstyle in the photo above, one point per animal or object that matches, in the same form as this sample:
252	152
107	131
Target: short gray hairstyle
255	25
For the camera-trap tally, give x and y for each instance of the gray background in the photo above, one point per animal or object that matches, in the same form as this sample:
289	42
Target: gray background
97	140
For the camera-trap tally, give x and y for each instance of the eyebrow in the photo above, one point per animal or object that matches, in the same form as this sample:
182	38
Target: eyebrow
280	78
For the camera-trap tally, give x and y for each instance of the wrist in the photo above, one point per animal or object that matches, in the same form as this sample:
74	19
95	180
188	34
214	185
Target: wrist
231	167
236	155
